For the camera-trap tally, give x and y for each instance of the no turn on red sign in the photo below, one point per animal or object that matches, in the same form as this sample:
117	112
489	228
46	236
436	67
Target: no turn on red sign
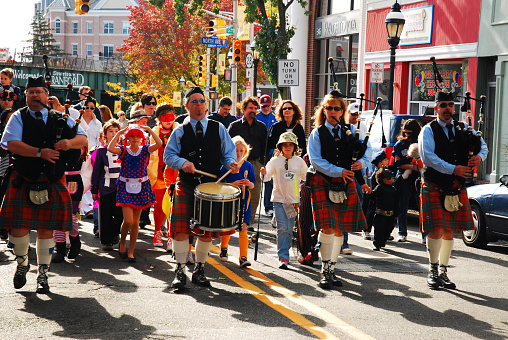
376	73
288	72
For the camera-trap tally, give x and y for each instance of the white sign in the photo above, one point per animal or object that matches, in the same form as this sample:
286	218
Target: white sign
288	72
376	73
4	55
248	73
249	60
418	26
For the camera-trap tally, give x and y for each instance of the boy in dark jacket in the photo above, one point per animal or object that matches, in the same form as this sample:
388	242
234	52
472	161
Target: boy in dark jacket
387	206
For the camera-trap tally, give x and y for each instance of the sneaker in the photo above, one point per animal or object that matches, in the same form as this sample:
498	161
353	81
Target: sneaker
244	262
157	239
169	247
274	223
269	213
346	251
366	235
283	264
190	257
401	238
223	254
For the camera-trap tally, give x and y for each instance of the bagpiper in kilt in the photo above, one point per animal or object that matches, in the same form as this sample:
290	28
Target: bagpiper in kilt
204	145
37	197
335	203
444	205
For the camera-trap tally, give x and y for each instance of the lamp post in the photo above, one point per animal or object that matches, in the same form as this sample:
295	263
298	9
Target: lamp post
182	84
152	89
394	24
255	54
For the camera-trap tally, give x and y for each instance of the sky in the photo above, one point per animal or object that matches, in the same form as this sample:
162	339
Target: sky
16	18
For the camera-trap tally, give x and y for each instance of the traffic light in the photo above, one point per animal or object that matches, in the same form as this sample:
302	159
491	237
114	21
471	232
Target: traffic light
217	26
237	51
82	7
215	80
202	70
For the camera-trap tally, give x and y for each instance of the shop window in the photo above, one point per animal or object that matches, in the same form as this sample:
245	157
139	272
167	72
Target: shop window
341	6
379	90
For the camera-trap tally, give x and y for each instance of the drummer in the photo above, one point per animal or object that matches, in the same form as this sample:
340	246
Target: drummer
202	144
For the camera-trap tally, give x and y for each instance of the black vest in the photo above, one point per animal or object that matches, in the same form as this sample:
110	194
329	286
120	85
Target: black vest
205	157
455	153
333	151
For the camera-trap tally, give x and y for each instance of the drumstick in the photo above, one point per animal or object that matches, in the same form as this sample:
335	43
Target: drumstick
205	173
239	164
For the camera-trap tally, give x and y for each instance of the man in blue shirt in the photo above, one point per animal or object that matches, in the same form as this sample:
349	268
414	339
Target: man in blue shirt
267	116
222	115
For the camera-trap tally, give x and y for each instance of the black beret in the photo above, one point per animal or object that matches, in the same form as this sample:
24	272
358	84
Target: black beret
378	157
385	173
35	82
442	96
336	94
192	90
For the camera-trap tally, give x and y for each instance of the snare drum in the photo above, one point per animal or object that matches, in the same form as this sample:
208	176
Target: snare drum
216	206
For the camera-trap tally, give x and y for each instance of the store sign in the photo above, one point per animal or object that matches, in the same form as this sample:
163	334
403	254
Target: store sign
338	24
424	86
58	78
418	27
376	73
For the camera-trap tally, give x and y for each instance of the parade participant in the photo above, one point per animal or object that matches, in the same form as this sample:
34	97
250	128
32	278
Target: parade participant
106	170
200	144
445	169
5	161
255	134
149	102
37	198
386	202
105	113
331	157
287	170
223	114
121	119
157	173
10	90
244	179
134	191
289	116
406	186
268	117
84	93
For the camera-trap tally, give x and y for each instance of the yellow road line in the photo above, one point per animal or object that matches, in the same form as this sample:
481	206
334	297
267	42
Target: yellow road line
293	296
272	302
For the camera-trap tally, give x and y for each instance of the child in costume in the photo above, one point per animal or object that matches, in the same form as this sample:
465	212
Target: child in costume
386	201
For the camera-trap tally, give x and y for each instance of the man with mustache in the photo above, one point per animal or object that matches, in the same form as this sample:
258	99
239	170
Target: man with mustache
445	169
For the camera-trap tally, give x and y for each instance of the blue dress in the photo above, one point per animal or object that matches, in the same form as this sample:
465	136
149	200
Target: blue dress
246	172
134	167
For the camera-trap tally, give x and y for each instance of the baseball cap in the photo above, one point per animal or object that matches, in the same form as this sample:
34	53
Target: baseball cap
353	108
265	100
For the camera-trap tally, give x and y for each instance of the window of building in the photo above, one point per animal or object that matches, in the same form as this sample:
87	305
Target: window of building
126	28
340	6
108	28
75	28
89	50
89	28
74	49
57	26
108	51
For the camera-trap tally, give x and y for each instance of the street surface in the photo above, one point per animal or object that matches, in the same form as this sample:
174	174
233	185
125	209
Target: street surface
385	296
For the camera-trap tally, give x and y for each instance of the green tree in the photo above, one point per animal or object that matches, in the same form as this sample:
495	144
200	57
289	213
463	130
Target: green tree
42	41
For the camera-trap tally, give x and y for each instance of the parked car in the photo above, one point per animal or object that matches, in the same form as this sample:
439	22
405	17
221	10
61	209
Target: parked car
489	206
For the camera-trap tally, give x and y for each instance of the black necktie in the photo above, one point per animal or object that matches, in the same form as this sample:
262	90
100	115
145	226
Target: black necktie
38	115
336	133
451	136
199	131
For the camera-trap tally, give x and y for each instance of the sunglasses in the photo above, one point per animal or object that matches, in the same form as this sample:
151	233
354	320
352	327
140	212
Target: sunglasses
7	99
353	114
265	106
151	103
287	108
444	105
90	108
121	115
195	101
333	108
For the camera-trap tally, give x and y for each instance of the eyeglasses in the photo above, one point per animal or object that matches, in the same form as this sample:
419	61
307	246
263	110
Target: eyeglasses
89	107
38	92
121	115
195	101
265	106
353	114
287	108
333	108
444	105
151	103
7	99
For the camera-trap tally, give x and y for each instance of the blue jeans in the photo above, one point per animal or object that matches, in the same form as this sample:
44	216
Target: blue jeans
96	219
406	190
284	231
267	200
344	243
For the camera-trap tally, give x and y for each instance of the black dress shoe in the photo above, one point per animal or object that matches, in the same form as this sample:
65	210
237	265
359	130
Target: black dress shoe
198	276
336	282
180	279
326	281
433	280
444	281
131	259
20	276
42	280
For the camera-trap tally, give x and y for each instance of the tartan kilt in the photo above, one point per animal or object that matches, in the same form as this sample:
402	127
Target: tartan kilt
182	210
18	212
434	216
347	216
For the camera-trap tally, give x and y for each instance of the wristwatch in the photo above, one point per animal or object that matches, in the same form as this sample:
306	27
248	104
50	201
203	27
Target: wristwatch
38	154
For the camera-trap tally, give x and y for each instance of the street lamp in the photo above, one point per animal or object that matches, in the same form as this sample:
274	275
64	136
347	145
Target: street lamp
152	88
394	25
255	55
182	84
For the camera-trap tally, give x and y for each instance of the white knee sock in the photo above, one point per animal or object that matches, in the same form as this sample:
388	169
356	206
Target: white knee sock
21	245
202	250
433	247
44	250
181	248
445	252
326	247
337	244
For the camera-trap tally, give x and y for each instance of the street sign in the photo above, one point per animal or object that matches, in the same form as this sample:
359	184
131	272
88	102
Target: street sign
214	42
288	74
229	30
249	60
376	73
248	72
